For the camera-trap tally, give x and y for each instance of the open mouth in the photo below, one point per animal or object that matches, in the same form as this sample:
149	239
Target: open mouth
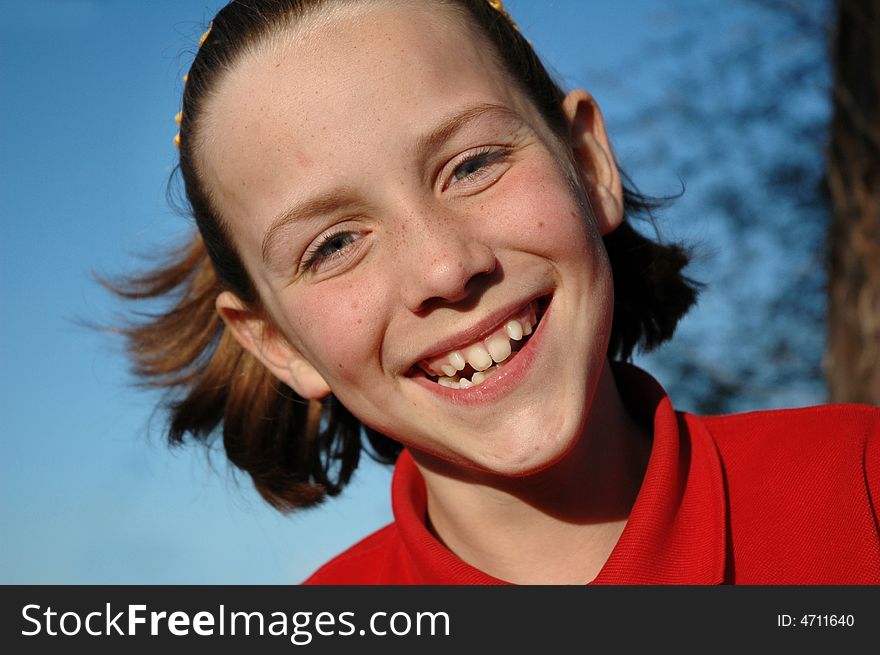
472	364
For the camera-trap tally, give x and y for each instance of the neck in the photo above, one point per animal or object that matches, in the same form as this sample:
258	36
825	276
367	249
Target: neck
557	526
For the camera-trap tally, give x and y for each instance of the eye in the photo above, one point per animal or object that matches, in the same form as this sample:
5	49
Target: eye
476	166
329	249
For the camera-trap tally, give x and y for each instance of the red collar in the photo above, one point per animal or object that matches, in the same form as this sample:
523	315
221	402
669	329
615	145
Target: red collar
676	531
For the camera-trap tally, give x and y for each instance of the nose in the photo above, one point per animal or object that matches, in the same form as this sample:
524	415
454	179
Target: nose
443	262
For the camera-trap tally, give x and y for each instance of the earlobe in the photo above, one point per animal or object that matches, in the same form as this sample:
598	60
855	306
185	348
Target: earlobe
263	340
594	159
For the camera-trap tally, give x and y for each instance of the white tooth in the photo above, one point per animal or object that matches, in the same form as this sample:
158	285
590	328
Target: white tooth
464	383
514	329
527	328
478	377
457	360
499	348
448	382
478	357
449	370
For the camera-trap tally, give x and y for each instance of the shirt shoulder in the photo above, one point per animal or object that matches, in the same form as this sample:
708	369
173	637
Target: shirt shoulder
806	450
854	424
366	562
803	488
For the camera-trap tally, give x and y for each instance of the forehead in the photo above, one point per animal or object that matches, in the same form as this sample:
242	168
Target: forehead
338	90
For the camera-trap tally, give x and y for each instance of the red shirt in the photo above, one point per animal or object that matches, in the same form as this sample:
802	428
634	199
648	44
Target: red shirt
772	497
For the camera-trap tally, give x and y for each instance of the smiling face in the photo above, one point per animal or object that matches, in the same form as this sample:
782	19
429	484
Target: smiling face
407	221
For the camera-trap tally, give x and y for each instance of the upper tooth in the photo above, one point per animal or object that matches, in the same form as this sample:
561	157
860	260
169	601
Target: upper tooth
457	360
449	370
514	329
499	348
478	357
527	328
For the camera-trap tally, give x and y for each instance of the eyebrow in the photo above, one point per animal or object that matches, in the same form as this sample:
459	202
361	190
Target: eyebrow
331	201
325	203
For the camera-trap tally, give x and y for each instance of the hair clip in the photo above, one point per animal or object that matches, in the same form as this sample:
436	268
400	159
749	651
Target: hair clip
498	6
178	117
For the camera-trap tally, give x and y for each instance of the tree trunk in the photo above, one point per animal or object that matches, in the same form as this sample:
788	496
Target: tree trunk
852	361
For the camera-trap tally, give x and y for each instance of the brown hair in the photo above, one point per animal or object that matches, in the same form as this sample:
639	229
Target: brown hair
298	452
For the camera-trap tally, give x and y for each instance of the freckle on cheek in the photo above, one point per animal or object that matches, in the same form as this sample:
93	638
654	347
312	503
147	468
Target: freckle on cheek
540	225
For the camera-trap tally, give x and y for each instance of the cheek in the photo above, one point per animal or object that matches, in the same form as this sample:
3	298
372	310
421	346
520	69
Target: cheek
338	327
540	205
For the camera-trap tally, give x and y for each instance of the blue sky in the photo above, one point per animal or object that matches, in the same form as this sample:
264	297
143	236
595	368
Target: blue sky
90	493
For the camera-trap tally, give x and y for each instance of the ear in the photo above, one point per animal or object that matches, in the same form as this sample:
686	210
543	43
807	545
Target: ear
263	340
595	161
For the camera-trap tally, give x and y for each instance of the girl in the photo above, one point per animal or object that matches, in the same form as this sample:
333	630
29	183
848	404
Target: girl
412	240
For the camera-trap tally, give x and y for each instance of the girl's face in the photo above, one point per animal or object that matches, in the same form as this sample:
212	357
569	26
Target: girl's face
403	210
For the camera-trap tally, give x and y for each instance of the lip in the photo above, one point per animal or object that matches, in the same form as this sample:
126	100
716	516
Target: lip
478	331
504	380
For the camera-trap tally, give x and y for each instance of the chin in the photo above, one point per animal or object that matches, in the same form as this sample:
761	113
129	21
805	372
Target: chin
535	445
